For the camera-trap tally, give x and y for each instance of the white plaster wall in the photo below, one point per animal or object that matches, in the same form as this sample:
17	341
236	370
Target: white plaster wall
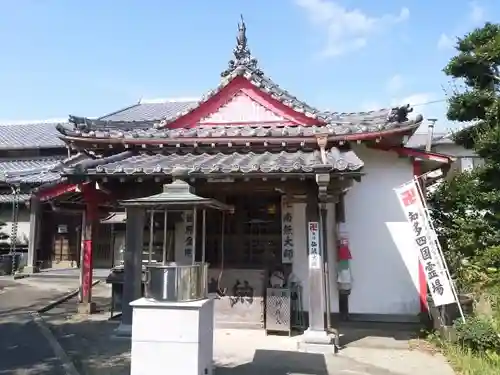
23	228
332	258
385	262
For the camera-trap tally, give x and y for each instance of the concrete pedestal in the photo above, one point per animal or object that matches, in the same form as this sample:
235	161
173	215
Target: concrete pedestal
172	337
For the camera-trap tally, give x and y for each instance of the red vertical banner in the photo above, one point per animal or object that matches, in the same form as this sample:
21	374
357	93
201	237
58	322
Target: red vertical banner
87	266
87	270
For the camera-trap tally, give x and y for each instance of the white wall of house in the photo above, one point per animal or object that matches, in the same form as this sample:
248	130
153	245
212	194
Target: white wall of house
385	261
23	228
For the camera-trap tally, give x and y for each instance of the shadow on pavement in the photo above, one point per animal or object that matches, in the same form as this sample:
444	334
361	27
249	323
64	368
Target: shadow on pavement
377	334
24	350
276	362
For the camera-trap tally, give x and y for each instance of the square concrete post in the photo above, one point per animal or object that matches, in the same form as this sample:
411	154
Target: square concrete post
35	212
132	284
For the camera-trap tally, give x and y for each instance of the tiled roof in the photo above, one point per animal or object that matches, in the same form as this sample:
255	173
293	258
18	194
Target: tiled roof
149	111
15	165
233	132
137	121
29	135
36	171
235	162
419	140
9	198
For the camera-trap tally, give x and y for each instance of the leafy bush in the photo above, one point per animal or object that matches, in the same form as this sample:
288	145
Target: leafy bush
478	334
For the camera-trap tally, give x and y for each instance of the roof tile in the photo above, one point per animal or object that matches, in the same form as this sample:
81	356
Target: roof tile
235	162
149	111
30	135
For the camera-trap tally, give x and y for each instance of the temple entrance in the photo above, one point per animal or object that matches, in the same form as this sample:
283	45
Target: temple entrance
242	260
252	235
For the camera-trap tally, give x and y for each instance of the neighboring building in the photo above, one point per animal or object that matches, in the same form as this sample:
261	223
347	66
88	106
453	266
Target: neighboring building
26	150
276	159
465	159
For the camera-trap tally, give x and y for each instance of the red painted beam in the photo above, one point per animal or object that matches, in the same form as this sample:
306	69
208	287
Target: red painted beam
55	191
416	153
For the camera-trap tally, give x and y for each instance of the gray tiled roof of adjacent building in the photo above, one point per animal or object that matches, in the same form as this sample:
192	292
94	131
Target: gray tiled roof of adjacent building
9	198
29	169
16	165
235	162
33	135
36	171
419	140
154	110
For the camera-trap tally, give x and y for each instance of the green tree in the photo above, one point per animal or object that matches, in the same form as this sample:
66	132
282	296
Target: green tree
466	209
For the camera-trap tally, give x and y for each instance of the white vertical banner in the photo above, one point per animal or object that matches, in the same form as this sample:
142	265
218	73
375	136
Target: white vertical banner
287	245
429	253
313	241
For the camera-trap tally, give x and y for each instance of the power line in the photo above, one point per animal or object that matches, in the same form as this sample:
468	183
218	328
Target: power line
429	102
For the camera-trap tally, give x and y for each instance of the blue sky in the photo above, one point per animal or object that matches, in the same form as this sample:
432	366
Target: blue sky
92	57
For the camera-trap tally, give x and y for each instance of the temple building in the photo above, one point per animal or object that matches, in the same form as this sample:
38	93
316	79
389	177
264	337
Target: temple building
312	193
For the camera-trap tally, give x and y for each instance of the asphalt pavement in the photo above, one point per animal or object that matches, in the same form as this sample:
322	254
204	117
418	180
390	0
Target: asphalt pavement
24	350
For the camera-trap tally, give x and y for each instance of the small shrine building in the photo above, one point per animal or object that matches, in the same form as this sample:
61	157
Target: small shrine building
311	189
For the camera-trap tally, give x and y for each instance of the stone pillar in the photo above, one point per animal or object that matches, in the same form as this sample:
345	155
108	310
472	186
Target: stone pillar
316	333
134	243
35	212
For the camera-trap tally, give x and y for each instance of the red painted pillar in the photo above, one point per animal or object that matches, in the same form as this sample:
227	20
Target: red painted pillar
417	171
86	305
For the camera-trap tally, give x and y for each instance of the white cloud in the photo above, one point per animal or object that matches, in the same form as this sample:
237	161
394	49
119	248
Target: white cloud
347	30
445	42
395	84
478	13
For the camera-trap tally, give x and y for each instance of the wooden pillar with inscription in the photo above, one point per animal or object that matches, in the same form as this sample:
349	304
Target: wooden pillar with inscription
316	332
85	305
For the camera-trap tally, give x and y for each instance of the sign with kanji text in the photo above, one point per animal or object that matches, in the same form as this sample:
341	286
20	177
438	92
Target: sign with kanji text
313	237
428	249
188	233
286	233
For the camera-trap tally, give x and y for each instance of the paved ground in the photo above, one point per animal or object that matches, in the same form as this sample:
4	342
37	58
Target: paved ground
23	348
239	352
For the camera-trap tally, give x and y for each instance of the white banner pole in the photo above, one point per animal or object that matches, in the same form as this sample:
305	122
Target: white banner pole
410	201
440	250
